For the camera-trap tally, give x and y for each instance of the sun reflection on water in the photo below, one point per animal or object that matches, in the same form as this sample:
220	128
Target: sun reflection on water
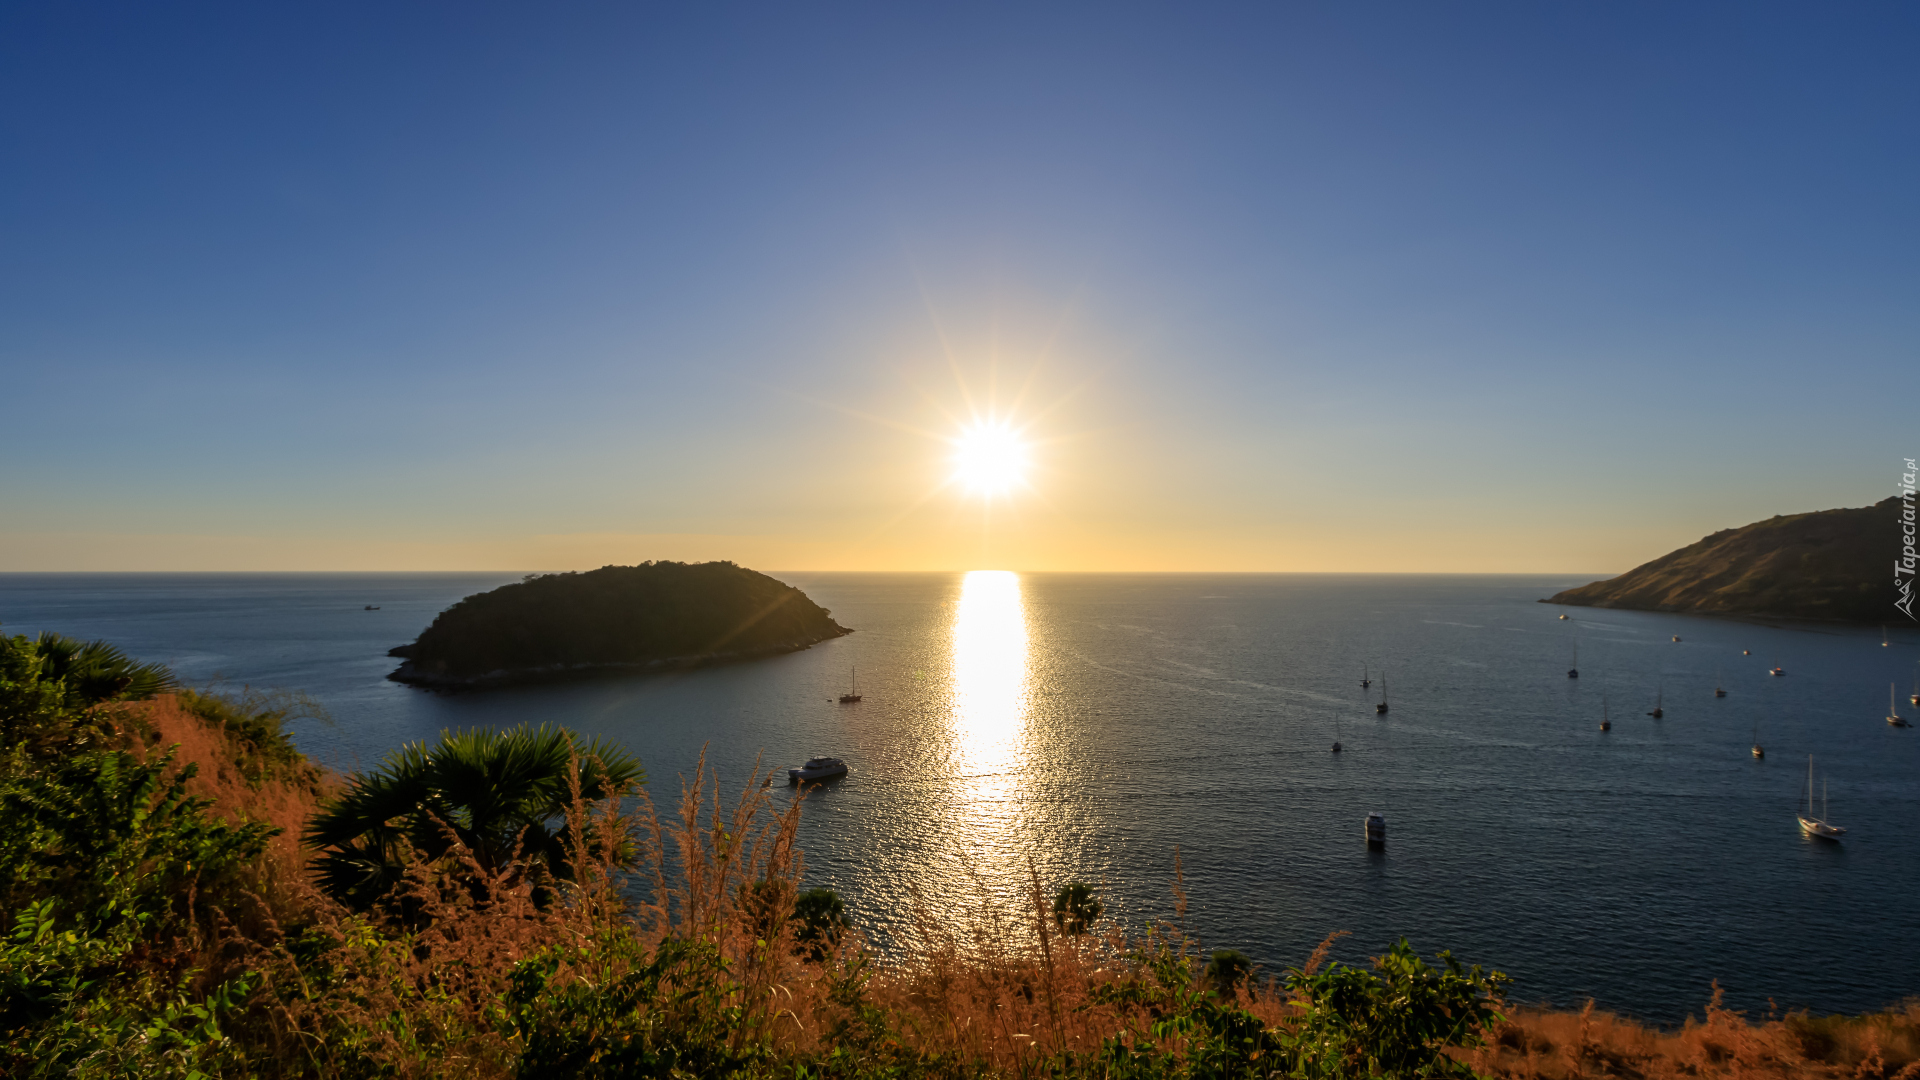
991	698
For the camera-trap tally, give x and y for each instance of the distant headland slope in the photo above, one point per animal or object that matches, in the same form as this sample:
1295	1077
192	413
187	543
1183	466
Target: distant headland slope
616	618
1831	566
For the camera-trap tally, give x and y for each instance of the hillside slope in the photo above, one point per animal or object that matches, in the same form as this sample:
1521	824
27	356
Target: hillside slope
1831	565
616	618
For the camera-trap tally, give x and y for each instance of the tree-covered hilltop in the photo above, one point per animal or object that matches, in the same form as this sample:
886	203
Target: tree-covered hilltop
616	618
1831	565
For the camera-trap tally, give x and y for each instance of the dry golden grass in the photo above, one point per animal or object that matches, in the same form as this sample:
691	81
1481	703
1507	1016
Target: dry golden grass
1536	1043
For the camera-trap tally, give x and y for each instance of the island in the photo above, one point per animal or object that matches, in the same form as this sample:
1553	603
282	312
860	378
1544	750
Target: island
655	616
1827	566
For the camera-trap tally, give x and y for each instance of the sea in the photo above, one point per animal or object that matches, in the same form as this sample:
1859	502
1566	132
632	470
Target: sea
1108	728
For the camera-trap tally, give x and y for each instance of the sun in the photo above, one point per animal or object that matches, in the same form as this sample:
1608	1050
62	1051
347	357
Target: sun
990	459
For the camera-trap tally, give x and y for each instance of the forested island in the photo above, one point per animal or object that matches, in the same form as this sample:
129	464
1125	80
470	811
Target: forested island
1827	566
614	619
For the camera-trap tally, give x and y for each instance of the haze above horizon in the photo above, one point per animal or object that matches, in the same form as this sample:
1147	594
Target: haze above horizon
1245	287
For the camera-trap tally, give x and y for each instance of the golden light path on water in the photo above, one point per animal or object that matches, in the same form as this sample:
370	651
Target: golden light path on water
991	709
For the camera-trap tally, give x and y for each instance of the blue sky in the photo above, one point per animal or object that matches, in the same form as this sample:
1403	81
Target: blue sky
1489	286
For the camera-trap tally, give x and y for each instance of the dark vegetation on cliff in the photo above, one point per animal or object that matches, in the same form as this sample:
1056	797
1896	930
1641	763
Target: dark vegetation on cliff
1829	566
616	618
542	920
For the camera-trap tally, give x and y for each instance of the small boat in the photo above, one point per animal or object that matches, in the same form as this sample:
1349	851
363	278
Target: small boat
1746	652
1605	723
1718	690
371	607
1818	827
1777	670
1676	637
1382	707
1657	712
1376	828
1893	715
1366	678
1563	618
853	691
819	768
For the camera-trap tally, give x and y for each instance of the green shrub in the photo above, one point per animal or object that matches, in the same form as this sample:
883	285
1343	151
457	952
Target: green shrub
1075	909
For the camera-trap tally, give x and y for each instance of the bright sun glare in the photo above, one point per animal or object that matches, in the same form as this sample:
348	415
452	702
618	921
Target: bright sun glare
990	459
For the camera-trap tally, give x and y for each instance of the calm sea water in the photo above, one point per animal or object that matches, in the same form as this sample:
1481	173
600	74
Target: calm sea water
1094	723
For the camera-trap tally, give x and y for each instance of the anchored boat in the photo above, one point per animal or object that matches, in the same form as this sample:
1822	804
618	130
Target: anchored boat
819	768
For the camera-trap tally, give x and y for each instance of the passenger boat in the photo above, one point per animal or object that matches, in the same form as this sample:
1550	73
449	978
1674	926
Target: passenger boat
819	768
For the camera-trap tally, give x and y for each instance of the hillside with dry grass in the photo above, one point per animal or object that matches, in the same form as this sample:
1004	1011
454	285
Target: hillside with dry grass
1828	566
167	923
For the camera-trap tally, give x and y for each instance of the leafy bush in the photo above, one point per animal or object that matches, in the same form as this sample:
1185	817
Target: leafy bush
1075	909
1398	1020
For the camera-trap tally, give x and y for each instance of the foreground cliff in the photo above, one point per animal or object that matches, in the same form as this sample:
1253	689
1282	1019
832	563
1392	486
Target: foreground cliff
616	618
1831	566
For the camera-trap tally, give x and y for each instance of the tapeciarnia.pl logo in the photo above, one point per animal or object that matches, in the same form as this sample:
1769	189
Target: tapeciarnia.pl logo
1904	565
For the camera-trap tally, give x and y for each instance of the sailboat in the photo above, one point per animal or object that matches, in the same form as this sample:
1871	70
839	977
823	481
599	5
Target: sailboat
1718	690
853	690
1914	698
1757	751
1366	679
1817	827
1893	714
1574	671
1336	733
1382	707
1658	712
1884	643
1605	723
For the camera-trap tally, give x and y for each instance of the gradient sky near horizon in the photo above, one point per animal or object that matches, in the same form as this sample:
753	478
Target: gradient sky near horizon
1489	286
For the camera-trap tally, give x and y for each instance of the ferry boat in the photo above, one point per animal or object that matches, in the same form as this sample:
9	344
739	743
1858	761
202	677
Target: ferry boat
819	768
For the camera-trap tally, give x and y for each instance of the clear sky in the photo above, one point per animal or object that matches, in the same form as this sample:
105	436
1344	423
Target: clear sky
1275	286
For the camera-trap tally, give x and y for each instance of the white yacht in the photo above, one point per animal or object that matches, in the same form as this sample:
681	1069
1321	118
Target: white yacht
1817	827
819	768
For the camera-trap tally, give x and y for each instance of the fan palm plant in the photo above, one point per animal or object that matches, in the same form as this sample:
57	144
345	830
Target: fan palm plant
95	671
500	795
